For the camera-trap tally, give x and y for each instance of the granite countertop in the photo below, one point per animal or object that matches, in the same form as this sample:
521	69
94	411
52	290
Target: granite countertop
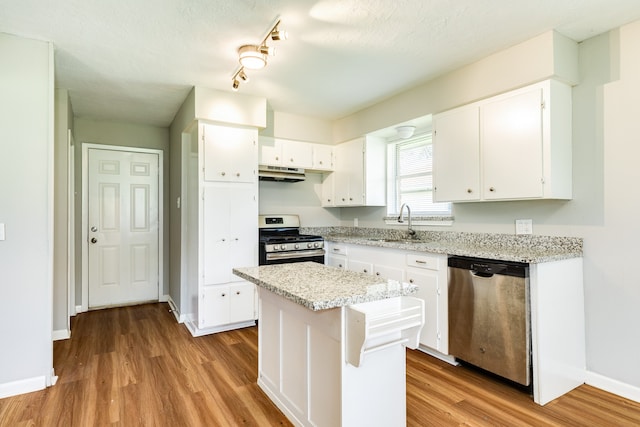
319	287
530	249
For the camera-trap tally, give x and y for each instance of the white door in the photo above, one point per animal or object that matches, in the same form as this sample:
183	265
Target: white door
123	227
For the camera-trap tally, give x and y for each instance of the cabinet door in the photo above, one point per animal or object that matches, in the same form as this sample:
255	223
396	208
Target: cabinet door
388	272
337	261
512	147
215	234
348	182
427	282
230	154
230	231
241	302
360	266
243	228
322	157
214	307
270	152
328	192
297	154
456	155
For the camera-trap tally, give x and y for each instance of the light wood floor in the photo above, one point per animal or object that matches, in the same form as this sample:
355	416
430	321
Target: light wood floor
135	366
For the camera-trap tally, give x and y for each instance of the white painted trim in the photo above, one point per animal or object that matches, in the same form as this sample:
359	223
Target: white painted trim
71	244
180	318
22	386
79	309
613	386
163	298
192	326
61	334
85	213
49	378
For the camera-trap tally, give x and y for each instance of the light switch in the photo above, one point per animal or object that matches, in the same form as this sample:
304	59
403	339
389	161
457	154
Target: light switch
1	231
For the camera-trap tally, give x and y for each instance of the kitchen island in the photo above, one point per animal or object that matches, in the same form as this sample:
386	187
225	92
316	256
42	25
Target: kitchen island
331	343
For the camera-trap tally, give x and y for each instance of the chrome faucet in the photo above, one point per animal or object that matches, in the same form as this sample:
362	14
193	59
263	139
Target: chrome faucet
410	230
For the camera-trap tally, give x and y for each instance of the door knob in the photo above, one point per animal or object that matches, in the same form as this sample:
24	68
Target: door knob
94	229
94	240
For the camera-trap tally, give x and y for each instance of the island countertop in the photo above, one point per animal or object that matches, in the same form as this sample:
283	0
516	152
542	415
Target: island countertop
319	287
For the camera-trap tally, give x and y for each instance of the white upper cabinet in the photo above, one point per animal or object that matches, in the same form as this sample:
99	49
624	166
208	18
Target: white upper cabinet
514	146
456	155
230	154
360	174
295	154
322	157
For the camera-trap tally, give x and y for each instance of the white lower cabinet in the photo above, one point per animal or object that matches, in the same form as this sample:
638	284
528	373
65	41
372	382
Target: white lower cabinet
427	271
226	304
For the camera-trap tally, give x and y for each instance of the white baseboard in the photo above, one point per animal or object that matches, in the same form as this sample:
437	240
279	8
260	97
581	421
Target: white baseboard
78	309
61	334
22	386
180	318
613	386
163	298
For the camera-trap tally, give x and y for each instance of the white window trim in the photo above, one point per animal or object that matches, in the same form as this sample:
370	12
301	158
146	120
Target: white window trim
444	219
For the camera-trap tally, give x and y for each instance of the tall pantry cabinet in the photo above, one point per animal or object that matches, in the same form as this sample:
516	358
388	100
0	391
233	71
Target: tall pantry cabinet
222	204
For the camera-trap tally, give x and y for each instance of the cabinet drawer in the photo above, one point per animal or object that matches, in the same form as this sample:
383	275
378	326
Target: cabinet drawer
338	249
430	262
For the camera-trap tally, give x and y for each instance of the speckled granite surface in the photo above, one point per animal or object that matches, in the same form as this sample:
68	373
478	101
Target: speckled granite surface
319	287
530	249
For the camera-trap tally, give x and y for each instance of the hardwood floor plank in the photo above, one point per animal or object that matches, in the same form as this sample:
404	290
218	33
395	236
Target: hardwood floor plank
135	366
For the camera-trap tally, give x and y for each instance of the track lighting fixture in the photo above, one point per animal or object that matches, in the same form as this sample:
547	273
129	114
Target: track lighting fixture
254	56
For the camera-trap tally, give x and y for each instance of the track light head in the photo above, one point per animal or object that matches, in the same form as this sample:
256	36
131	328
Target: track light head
267	50
279	35
236	85
243	76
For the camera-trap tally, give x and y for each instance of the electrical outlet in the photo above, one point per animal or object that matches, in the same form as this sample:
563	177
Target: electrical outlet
524	226
355	222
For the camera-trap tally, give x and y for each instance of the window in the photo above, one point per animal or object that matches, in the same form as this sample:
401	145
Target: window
410	180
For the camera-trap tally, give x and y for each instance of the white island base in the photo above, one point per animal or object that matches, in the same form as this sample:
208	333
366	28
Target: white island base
303	364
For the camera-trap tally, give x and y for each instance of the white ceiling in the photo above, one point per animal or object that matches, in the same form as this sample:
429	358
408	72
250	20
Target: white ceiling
136	60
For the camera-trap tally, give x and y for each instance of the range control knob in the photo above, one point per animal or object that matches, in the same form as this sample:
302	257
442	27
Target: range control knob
283	247
309	245
296	246
316	245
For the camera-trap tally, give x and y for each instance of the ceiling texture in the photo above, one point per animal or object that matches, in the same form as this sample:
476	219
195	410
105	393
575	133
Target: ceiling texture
136	60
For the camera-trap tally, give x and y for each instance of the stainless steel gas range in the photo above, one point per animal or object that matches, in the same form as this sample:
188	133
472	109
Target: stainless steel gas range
281	242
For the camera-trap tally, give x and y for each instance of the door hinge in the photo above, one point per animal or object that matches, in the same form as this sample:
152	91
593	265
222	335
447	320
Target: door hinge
542	105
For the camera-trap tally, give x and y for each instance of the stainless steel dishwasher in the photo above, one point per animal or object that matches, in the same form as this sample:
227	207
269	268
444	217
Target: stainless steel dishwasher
489	321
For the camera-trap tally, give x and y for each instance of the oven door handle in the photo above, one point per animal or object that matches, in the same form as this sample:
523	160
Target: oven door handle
294	254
